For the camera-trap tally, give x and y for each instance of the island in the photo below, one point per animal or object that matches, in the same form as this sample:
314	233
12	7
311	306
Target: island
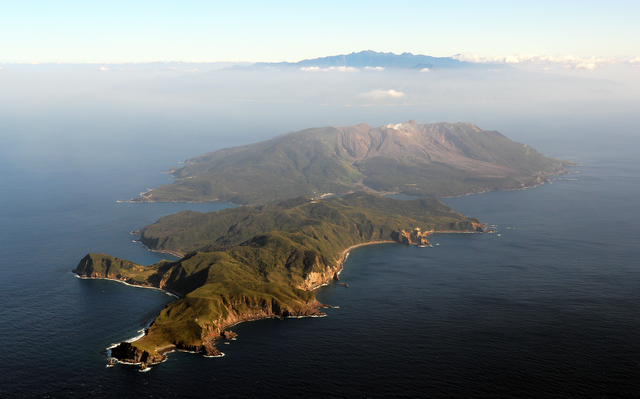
432	160
309	197
255	262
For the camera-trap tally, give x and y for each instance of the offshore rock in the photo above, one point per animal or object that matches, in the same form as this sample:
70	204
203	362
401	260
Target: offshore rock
125	352
228	334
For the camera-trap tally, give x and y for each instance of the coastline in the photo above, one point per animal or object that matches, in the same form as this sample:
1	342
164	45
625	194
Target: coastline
142	333
385	193
125	283
313	311
345	253
178	255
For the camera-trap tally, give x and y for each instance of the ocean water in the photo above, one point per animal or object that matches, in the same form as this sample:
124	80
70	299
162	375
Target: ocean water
548	306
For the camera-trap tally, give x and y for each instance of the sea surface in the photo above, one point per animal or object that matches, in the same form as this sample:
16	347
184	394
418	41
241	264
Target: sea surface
547	306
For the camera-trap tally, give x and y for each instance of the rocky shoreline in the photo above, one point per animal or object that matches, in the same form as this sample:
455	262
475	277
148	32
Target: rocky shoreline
178	255
127	353
127	282
271	275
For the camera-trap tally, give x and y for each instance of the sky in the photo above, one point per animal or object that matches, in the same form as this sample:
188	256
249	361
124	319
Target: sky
88	31
570	63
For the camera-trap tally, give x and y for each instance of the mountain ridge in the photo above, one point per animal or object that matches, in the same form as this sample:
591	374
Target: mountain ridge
373	59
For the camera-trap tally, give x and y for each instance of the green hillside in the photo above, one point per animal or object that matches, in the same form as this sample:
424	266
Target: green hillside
434	160
189	231
254	262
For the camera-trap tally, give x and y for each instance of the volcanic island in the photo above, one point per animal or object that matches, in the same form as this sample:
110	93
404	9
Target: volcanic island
265	258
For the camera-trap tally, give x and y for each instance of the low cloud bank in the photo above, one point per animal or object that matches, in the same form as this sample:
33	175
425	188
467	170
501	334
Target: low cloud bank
380	94
330	69
569	61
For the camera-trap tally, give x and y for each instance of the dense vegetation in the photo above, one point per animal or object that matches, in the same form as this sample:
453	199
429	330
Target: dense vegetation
189	231
253	262
435	160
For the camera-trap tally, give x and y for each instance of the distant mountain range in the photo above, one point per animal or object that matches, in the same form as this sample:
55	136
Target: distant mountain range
372	59
436	160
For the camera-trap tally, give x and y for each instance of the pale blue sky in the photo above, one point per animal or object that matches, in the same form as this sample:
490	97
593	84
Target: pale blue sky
139	31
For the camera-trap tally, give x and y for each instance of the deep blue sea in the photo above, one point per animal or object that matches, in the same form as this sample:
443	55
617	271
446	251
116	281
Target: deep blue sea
548	306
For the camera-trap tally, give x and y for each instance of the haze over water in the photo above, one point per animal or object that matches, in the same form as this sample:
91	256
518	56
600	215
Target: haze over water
549	308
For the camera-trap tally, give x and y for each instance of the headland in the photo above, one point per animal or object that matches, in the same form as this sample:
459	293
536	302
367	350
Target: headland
292	248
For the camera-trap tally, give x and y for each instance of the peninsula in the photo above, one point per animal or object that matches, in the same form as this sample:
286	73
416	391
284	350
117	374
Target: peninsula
255	262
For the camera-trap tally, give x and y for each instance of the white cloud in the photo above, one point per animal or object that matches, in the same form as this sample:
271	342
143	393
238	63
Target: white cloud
343	69
589	63
424	70
103	69
330	69
382	94
374	68
512	59
586	65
